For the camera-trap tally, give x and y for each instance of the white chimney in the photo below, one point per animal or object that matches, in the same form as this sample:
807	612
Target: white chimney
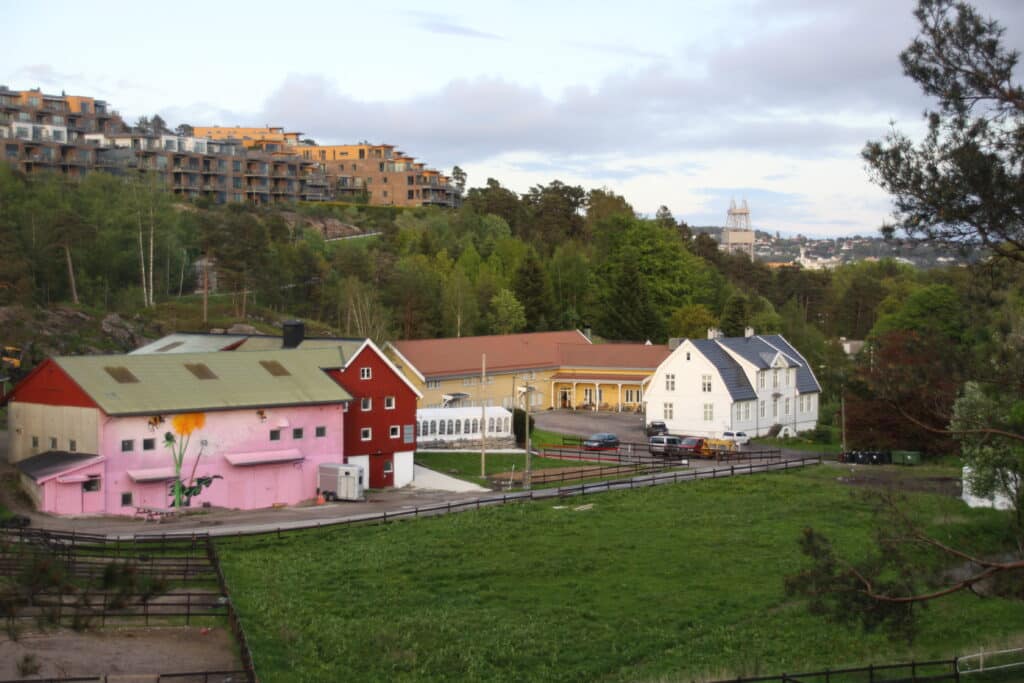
714	333
748	332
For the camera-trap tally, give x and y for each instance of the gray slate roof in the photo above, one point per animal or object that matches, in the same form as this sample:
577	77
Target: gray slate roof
760	350
730	371
52	462
806	382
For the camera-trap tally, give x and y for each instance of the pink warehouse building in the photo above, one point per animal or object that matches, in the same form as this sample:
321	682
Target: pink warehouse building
87	433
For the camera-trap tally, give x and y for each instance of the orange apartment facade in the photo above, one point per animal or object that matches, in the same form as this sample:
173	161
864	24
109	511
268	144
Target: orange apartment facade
377	174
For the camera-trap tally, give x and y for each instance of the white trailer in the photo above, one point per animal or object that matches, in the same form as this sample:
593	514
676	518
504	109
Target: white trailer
340	482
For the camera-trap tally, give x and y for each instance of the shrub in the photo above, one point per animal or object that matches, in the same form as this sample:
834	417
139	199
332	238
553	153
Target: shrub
518	422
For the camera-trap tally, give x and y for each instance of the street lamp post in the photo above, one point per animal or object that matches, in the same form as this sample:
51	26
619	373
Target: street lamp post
526	390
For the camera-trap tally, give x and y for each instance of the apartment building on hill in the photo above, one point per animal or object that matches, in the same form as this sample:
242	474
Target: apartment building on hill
74	135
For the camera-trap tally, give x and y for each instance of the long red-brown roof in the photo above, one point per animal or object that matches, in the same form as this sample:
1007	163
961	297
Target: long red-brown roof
509	352
620	356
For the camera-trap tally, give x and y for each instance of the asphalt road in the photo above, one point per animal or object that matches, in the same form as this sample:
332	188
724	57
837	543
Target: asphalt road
629	427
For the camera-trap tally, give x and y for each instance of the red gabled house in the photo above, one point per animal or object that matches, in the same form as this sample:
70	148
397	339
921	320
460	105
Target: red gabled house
380	422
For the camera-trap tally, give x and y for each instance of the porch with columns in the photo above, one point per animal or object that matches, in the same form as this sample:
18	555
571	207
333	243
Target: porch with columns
597	391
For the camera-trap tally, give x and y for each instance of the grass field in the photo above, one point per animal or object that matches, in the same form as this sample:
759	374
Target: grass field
670	583
467	465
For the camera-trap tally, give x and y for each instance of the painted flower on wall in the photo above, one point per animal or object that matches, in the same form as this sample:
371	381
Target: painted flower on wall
177	441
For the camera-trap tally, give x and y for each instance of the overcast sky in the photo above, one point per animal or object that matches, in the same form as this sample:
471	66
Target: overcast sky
686	104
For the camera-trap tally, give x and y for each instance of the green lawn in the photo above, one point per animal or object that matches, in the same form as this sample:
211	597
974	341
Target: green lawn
466	465
661	584
797	443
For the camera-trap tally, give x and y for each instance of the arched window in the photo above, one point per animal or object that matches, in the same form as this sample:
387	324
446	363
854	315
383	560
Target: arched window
433	427
441	430
508	427
465	426
458	426
490	424
476	425
451	427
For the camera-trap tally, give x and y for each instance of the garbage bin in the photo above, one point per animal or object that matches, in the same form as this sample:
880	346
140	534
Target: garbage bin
906	458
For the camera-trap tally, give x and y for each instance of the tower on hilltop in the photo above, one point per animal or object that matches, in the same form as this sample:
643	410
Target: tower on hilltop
738	236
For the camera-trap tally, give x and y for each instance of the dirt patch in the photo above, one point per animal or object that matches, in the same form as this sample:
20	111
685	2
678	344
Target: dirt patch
886	477
121	651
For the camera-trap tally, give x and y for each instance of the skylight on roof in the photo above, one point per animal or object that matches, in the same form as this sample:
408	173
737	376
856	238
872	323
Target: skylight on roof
275	368
200	370
121	374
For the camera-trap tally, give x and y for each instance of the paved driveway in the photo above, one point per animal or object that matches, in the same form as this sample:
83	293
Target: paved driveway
629	427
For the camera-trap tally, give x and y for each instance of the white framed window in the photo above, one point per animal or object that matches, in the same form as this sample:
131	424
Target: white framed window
705	384
762	408
786	407
709	412
366	404
667	411
127	445
775	407
365	434
746	410
739	411
394	431
365	373
389	403
433	384
687	355
670	382
760	379
789	373
775	378
588	395
389	467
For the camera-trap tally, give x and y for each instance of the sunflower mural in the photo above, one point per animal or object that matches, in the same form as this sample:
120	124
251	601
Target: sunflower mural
177	441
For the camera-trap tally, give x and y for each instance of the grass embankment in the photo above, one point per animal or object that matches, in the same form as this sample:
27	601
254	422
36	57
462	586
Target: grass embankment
796	443
668	583
466	465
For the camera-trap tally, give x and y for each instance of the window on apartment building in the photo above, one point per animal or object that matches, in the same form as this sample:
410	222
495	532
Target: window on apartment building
35	442
394	431
389	403
366	403
670	382
365	434
149	444
321	432
667	411
362	154
365	373
297	433
705	384
709	412
408	180
275	434
53	443
385	192
127	445
72	445
409	194
236	165
126	499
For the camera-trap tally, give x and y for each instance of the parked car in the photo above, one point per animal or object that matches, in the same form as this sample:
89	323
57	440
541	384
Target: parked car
692	445
656	428
738	438
664	444
601	442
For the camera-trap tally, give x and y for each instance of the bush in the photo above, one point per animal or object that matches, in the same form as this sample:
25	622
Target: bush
518	422
822	434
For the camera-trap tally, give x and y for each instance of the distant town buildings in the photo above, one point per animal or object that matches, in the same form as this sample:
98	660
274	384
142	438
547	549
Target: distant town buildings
75	135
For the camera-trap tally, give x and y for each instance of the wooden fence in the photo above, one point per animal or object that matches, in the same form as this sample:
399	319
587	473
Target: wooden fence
905	672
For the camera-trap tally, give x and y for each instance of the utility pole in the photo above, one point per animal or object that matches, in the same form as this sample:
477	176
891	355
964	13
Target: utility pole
842	408
528	472
483	415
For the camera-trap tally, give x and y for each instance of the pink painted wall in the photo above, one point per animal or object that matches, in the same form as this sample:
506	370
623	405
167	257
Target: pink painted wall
236	431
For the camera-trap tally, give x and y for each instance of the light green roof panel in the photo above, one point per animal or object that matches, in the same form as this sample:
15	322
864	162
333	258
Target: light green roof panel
145	384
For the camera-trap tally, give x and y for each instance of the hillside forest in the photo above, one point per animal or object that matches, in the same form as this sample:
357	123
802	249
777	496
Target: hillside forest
556	257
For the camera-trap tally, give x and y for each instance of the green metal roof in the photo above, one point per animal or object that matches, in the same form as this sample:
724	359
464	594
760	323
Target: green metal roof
144	384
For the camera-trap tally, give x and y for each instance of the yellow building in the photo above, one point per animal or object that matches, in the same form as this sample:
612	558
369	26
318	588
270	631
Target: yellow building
564	369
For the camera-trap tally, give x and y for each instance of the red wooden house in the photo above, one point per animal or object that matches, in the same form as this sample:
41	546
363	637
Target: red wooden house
380	422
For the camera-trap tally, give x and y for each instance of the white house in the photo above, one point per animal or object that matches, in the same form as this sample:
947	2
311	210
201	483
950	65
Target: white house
749	384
